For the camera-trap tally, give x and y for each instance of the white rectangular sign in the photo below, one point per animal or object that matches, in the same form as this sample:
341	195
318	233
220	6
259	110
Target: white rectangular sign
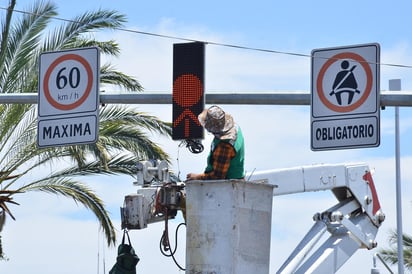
68	97
71	130
345	99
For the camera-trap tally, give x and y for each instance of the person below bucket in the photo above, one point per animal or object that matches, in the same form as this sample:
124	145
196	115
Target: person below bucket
227	153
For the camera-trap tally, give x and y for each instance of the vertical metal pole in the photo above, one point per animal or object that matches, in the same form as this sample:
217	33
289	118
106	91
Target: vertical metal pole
395	84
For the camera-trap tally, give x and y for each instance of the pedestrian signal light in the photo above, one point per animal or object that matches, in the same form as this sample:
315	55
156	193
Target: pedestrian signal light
188	90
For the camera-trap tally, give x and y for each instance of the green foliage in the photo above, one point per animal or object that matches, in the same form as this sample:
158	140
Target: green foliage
123	131
390	254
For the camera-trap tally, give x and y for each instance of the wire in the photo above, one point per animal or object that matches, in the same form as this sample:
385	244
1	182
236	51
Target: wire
100	248
194	146
98	252
165	239
178	162
250	175
206	42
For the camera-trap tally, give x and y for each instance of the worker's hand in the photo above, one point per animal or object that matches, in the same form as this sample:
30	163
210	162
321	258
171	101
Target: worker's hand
193	176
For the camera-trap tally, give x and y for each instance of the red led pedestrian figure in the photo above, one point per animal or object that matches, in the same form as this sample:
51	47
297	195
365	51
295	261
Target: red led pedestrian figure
188	90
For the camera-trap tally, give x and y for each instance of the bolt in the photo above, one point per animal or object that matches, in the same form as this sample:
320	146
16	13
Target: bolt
316	217
372	244
381	216
336	216
368	200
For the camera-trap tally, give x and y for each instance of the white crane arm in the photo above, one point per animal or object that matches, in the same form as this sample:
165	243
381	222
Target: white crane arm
353	222
344	180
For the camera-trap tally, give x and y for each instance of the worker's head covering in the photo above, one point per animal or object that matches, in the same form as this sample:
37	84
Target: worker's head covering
216	121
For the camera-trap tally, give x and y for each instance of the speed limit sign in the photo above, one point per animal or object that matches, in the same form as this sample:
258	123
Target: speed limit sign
68	82
68	97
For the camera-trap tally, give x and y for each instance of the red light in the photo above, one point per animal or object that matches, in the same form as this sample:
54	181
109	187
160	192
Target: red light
188	90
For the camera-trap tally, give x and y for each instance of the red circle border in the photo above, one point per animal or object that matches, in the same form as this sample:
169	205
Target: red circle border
328	63
87	91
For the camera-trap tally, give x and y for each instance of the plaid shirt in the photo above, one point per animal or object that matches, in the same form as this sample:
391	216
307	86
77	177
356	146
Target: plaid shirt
221	157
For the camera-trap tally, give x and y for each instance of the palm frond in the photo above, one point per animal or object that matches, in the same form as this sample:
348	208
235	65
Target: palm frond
110	76
118	164
79	193
68	34
124	133
106	47
22	43
9	114
16	138
121	114
390	254
122	127
5	37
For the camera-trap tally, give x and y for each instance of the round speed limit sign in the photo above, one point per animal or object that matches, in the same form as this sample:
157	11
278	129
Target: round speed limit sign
68	82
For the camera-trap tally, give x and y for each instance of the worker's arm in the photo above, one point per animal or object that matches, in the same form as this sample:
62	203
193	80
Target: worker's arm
222	155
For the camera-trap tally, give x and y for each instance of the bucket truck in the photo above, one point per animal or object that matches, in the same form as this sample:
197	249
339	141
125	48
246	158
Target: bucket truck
352	222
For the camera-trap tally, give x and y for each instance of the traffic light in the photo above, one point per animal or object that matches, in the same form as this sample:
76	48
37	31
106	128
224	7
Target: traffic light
188	90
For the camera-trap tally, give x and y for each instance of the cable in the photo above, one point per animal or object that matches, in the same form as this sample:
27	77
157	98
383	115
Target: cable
206	42
103	259
178	162
194	146
164	241
98	252
165	237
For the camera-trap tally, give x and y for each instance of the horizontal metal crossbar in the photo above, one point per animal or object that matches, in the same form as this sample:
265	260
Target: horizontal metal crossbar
387	98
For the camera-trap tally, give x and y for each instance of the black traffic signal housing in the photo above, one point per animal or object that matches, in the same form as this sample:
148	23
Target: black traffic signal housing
188	90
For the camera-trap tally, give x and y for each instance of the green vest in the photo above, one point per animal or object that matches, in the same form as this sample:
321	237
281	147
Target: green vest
236	169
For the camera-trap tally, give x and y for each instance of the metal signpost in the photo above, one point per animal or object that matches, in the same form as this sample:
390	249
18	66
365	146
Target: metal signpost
68	97
345	97
395	84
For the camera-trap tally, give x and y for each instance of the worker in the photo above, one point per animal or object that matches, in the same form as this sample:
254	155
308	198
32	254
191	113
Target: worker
226	157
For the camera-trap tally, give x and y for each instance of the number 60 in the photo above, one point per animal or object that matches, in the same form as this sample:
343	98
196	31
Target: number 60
73	78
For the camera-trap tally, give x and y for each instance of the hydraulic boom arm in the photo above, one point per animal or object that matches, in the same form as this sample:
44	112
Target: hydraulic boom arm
352	223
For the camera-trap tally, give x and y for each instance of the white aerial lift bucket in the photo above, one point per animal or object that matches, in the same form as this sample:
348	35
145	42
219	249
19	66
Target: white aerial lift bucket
228	226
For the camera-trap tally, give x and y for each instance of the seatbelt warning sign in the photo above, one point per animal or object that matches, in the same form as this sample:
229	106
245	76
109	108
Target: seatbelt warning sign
345	97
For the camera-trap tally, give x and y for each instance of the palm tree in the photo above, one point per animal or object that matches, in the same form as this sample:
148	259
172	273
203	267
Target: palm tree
123	131
390	255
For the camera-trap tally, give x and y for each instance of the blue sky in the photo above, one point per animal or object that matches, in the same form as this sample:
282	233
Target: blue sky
276	136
